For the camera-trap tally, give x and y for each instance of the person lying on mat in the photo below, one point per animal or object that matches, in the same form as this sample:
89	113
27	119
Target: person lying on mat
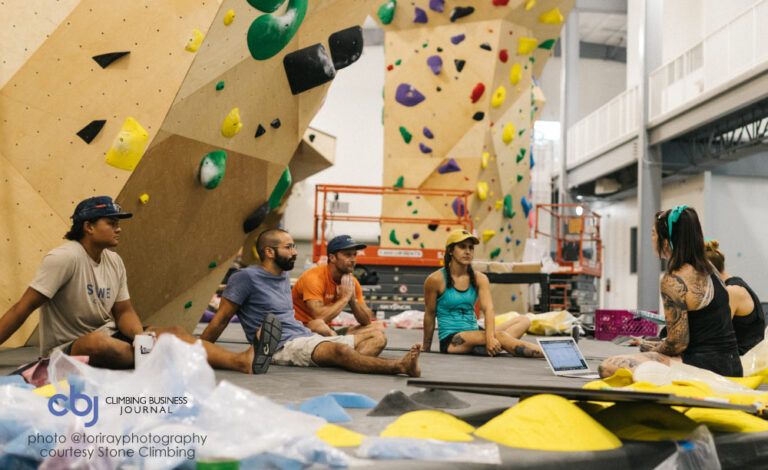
450	294
698	315
266	287
85	309
746	311
322	292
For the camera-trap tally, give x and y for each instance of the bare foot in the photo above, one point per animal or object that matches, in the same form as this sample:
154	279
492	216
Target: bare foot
246	359
410	362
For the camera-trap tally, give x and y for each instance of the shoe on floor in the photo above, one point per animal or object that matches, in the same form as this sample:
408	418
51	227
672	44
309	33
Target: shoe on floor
266	344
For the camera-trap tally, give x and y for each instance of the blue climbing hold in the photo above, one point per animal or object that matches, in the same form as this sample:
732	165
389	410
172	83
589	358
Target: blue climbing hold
325	406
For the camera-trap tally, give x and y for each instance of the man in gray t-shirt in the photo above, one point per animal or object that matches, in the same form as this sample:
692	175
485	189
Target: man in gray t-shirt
85	308
264	290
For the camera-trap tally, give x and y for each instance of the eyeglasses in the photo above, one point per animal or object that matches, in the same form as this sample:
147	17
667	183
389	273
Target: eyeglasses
289	246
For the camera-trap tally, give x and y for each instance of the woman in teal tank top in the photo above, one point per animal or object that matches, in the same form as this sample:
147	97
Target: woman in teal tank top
450	295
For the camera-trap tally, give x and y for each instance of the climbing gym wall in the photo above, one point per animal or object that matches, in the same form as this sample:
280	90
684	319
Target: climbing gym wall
460	102
188	112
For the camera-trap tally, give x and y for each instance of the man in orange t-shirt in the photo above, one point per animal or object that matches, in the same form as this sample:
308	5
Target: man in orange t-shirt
322	292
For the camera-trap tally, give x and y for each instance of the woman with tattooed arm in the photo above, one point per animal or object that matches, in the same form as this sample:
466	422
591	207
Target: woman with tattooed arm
450	295
699	328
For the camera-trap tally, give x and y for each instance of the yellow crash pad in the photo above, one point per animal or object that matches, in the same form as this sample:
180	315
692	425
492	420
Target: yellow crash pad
338	436
727	420
645	422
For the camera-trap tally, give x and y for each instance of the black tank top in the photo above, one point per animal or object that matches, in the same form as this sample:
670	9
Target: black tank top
749	329
711	330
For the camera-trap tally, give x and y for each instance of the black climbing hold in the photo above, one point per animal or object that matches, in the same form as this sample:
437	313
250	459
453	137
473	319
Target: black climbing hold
275	124
260	131
104	60
311	137
439	49
485	46
253	221
396	403
439	89
439	399
308	68
461	12
459	63
346	46
478	116
89	132
432	227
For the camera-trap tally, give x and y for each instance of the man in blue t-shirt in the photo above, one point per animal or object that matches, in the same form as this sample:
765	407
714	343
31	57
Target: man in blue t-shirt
265	288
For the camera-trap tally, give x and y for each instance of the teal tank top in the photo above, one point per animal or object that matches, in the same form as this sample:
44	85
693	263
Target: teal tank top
456	310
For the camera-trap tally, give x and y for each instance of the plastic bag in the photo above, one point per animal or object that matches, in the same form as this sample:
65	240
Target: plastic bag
756	359
551	323
428	449
344	319
660	374
696	452
409	319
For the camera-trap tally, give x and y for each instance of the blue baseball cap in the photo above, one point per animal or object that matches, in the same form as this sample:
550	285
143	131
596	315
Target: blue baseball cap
99	206
343	242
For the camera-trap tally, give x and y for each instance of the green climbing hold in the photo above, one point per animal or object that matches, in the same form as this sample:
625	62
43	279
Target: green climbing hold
520	156
548	44
495	253
424	45
393	238
212	264
421	245
212	168
188	304
508	212
267	6
399	183
408	241
406	135
521	132
519	178
280	188
268	35
387	11
409	203
415	211
220	85
398	61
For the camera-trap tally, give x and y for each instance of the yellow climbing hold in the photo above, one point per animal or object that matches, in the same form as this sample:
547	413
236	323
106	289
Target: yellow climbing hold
144	198
530	4
232	124
429	424
482	190
551	17
498	97
515	74
193	44
229	17
484	160
488	234
338	436
49	390
499	204
509	133
548	422
526	46
128	146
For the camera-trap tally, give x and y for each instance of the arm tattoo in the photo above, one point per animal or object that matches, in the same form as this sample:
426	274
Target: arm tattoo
525	351
673	290
457	340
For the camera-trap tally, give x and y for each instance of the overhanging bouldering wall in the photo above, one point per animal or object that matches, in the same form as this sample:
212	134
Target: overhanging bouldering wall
187	111
460	102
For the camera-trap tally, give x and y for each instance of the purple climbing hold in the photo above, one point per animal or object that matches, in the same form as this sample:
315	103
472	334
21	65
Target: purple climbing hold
458	38
416	236
437	5
435	64
408	95
449	167
427	133
458	207
419	15
424	148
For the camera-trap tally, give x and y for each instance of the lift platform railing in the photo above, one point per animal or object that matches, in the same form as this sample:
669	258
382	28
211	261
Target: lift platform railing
577	228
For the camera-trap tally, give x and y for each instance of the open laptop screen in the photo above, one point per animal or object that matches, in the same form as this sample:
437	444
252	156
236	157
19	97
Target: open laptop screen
564	355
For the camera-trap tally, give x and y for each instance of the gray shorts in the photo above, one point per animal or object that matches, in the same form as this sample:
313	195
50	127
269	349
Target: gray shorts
108	329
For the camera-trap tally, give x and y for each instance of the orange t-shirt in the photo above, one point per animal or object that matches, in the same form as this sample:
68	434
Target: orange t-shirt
316	284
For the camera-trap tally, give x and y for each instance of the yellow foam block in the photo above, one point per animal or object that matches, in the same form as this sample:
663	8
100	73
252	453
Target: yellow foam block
548	422
727	420
551	17
745	399
505	317
49	390
488	234
484	160
515	74
429	424
509	133
229	17
526	46
338	436
232	124
621	378
129	145
193	43
645	422
750	382
763	374
498	97
482	190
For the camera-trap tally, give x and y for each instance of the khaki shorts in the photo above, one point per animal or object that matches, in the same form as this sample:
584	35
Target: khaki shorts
298	352
108	329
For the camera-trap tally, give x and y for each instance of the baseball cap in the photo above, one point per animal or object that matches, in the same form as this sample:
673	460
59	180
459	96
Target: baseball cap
99	206
343	242
459	235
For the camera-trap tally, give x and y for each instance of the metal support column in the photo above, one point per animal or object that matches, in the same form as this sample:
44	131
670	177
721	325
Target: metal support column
569	93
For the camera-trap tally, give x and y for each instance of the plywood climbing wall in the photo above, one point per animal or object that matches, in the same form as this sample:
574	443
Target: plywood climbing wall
460	101
127	98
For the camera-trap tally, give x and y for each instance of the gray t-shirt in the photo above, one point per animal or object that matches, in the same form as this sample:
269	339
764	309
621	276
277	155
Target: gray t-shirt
259	292
81	293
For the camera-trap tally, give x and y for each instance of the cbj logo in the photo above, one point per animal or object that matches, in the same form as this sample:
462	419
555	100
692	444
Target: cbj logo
70	404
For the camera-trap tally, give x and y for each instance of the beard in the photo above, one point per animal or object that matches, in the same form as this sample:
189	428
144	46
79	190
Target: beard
285	263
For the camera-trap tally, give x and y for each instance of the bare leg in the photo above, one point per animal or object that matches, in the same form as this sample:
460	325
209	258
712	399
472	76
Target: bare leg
320	327
104	351
376	326
218	357
463	342
515	327
329	354
518	347
370	341
629	361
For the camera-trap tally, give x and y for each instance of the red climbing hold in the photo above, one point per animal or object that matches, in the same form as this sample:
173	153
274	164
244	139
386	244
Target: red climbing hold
477	92
503	55
500	3
390	67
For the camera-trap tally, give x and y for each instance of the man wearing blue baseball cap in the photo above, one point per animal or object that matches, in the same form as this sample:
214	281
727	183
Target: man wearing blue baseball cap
85	308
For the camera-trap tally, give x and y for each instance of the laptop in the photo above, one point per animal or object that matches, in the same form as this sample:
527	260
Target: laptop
565	358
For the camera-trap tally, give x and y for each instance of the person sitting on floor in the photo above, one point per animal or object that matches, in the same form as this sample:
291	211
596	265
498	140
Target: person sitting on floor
450	294
322	292
85	309
698	316
266	287
746	311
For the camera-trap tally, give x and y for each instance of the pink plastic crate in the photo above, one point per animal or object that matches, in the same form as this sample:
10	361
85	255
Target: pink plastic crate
612	323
